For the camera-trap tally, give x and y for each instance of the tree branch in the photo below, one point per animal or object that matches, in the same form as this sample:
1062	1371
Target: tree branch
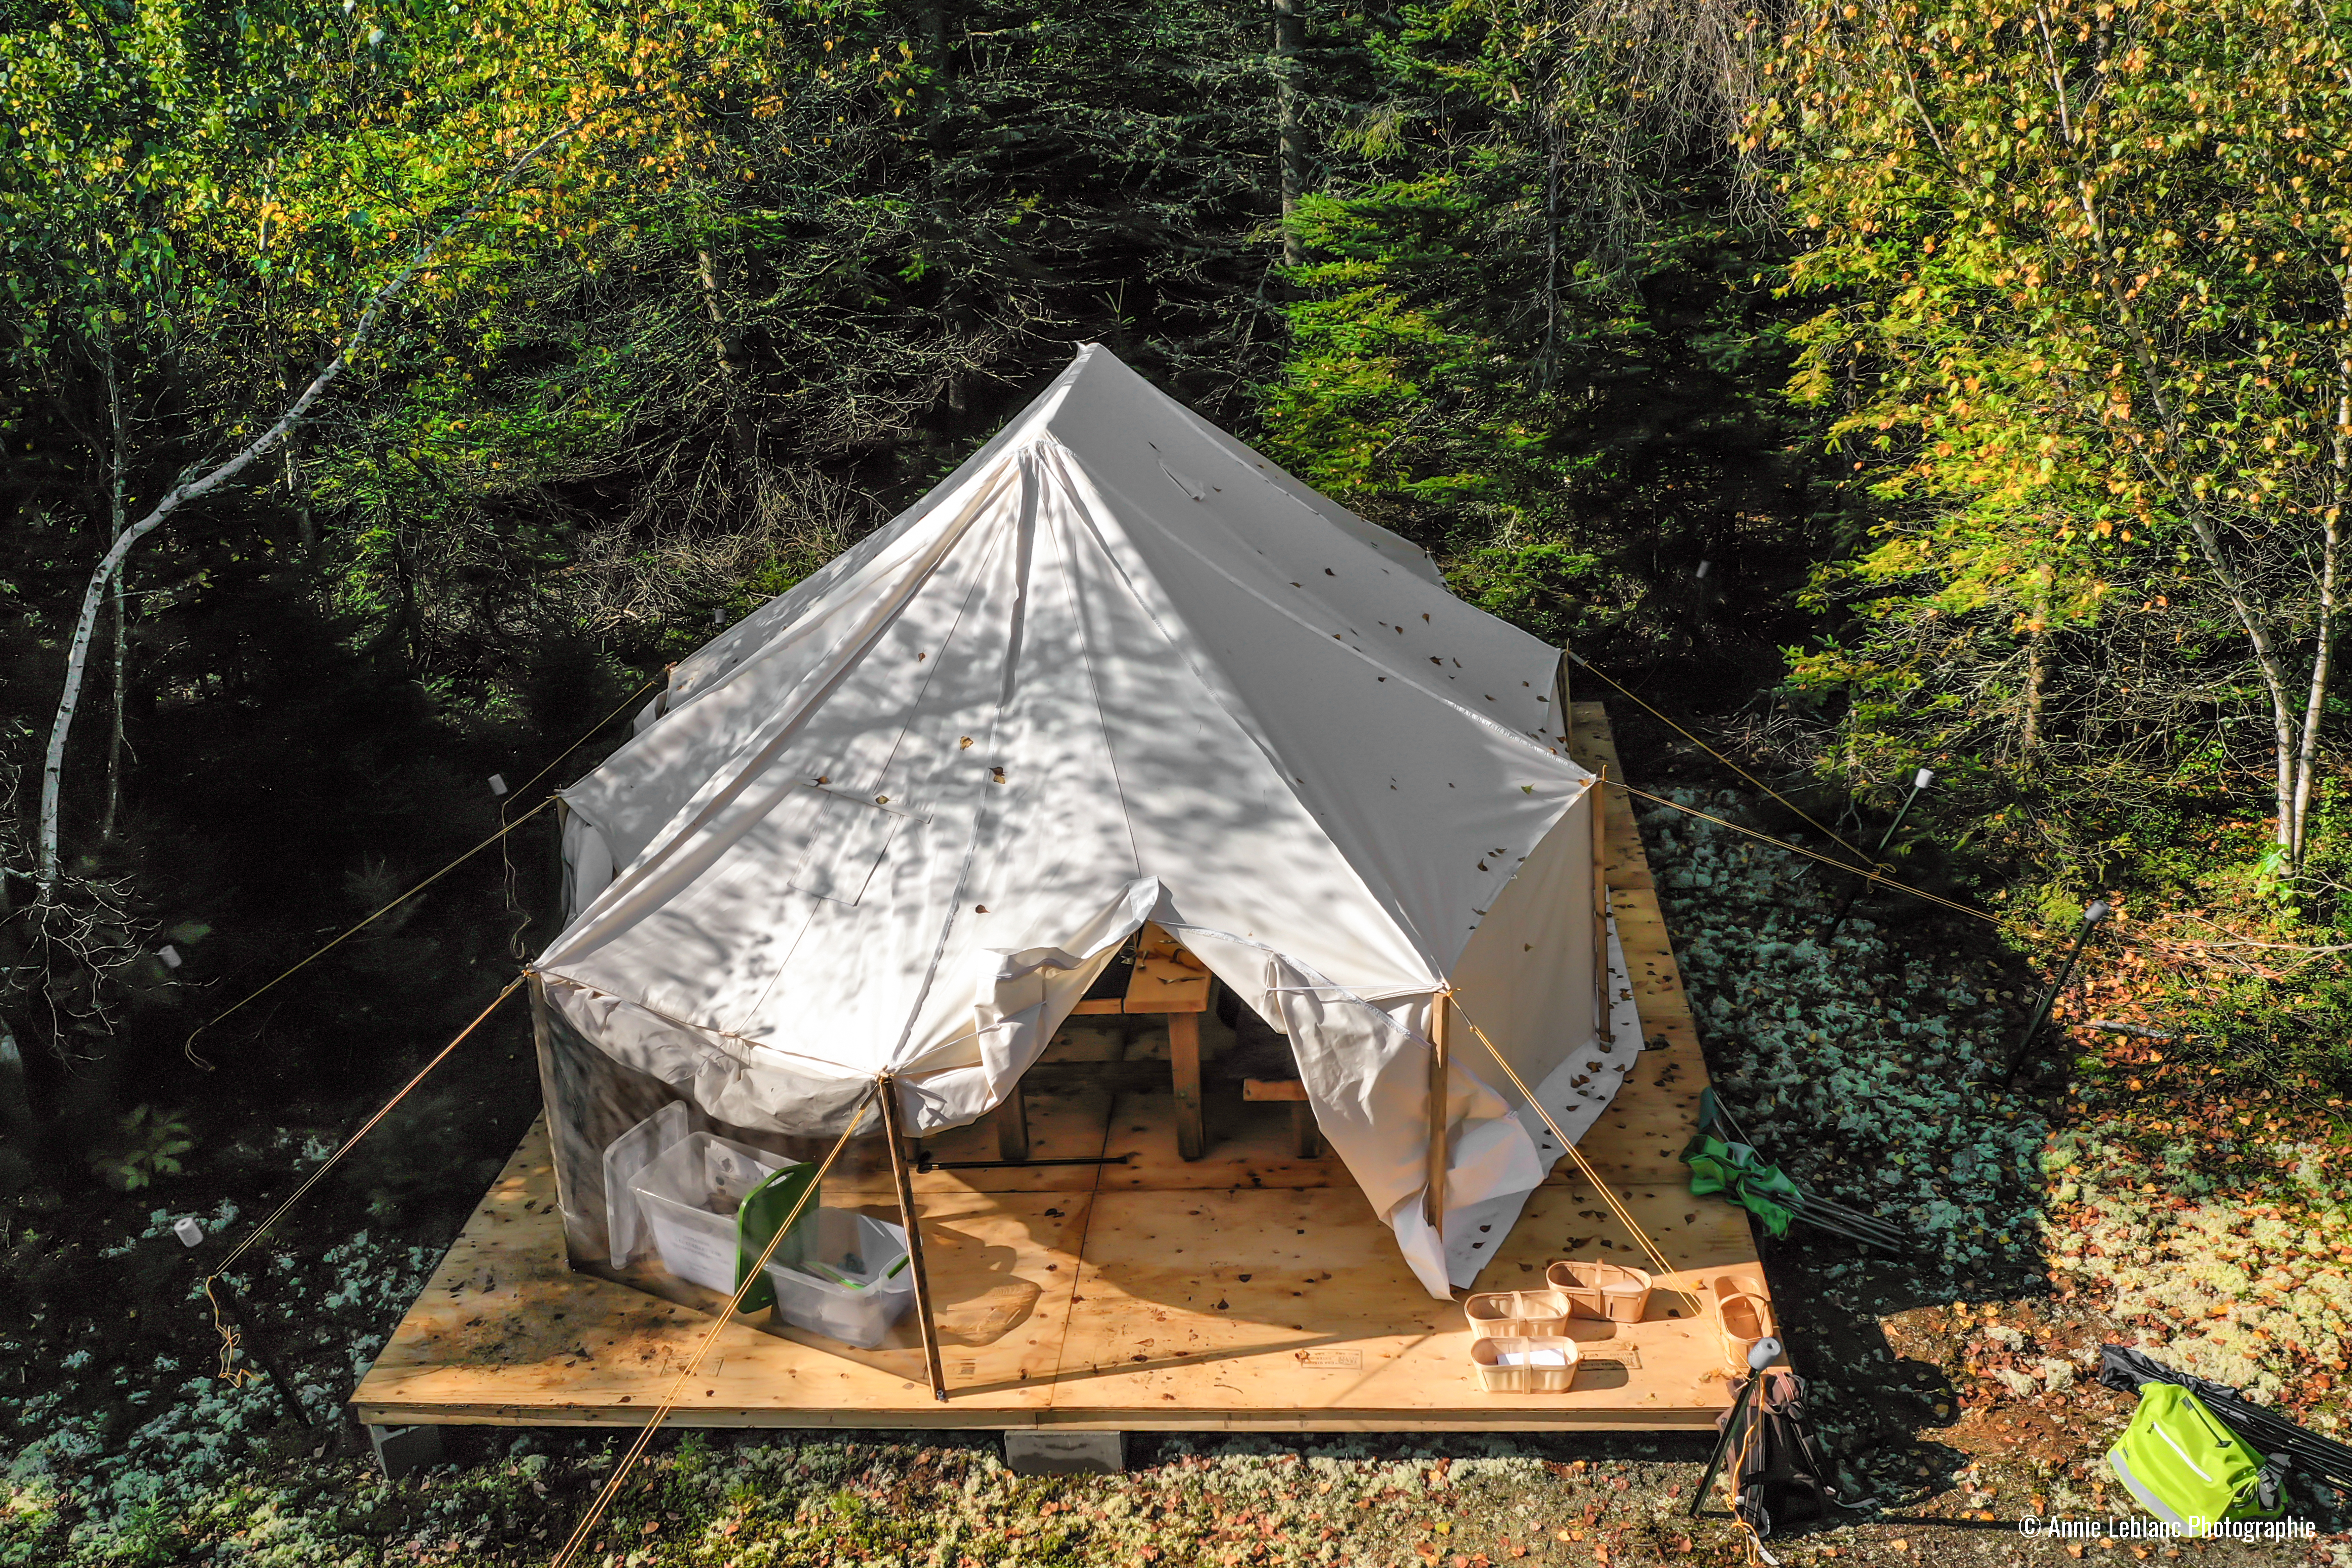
195	488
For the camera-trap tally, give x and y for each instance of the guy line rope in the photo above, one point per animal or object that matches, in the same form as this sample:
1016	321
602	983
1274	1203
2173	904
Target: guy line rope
228	1336
585	1530
1882	880
1711	751
189	1046
1607	1195
221	1322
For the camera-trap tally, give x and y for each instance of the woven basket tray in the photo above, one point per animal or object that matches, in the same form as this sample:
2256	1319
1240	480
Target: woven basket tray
1487	1359
1596	1289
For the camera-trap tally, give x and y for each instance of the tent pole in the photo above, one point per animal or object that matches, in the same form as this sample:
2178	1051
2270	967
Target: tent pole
1184	1065
562	881
1600	906
891	1136
1433	1202
1563	705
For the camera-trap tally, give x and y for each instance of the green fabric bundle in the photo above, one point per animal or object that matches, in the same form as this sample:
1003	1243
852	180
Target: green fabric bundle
1739	1173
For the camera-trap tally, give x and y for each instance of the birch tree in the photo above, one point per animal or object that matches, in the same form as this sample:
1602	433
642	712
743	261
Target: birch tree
195	221
2091	271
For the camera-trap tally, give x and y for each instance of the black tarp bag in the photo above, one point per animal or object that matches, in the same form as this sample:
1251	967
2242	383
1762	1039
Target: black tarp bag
1779	1469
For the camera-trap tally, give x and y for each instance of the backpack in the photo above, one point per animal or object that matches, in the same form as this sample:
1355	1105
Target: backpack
2189	1469
1778	1466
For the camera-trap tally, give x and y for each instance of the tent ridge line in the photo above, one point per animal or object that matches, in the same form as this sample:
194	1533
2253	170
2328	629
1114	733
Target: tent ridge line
724	678
978	794
1025	522
1394	905
844	655
1230	448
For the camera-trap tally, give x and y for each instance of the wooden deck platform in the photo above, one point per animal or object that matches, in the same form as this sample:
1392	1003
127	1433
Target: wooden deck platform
1250	1290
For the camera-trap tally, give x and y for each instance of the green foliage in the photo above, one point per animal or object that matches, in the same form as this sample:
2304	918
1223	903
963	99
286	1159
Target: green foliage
1572	407
150	1146
2266	1031
676	413
2085	320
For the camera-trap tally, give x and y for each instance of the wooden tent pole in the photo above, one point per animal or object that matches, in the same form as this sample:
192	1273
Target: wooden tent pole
1600	905
1563	706
1434	1203
891	1136
562	890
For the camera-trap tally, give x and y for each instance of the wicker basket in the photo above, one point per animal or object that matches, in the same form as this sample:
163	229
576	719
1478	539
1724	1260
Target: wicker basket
1596	1289
1738	1284
1518	1314
1743	1319
1488	1358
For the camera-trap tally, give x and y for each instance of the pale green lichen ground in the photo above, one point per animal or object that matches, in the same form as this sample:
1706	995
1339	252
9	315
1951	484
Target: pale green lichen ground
2244	1286
785	1503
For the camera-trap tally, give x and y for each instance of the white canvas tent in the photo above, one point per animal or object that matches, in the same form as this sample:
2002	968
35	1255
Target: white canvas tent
1116	667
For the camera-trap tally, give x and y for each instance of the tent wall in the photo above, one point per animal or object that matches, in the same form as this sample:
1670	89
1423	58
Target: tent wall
1525	978
591	1100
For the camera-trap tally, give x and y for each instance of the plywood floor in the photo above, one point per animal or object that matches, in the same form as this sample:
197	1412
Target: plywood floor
1248	1290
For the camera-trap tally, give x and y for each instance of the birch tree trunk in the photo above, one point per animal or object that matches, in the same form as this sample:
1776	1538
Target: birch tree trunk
94	599
118	503
2292	744
2331	545
115	697
297	495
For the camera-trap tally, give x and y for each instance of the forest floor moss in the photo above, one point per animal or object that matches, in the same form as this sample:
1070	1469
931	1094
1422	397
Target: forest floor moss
1959	1389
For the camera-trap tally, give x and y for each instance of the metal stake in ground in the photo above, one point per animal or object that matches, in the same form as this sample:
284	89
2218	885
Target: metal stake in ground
2091	918
1919	781
233	1308
1761	1354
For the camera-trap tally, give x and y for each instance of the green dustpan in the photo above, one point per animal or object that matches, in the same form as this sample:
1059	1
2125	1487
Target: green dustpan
763	1209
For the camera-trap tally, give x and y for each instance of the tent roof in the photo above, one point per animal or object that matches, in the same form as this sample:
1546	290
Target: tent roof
1116	651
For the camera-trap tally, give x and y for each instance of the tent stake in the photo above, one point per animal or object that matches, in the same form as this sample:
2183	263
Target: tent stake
238	1313
1919	781
2091	918
890	1135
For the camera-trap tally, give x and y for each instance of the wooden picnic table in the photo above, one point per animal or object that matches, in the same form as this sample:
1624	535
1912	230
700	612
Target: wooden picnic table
1166	982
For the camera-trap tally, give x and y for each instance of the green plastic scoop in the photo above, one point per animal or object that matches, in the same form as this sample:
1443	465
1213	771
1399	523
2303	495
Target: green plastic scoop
763	1209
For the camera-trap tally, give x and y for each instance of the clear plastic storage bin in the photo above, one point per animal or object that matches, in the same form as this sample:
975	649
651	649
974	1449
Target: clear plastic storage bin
855	1281
689	1196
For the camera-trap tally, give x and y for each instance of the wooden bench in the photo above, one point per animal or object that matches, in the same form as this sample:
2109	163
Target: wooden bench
1167	983
1303	1133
